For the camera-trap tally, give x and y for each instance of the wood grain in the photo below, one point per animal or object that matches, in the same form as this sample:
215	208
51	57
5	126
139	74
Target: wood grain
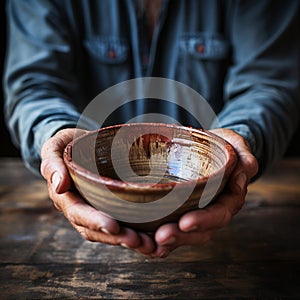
257	256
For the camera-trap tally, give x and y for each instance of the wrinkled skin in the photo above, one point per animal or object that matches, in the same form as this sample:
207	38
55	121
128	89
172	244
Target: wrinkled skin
193	228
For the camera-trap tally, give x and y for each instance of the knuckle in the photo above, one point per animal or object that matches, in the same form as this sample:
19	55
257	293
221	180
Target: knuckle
255	167
70	216
45	168
84	234
251	165
57	206
54	198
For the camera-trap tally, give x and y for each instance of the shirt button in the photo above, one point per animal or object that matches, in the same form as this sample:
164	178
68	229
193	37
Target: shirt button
200	48
111	54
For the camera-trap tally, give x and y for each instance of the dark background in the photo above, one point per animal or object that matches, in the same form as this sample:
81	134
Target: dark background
6	146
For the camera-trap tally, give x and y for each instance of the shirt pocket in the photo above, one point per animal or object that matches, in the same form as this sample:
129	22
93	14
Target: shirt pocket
107	62
204	46
203	63
108	50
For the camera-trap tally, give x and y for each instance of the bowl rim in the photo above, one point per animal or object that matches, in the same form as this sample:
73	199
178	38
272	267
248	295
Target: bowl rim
116	184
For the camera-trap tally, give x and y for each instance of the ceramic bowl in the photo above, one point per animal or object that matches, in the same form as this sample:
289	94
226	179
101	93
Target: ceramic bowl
147	174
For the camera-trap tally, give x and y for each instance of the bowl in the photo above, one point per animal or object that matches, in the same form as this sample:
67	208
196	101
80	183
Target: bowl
148	174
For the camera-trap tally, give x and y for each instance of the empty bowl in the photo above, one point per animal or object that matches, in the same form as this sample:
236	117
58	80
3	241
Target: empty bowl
148	174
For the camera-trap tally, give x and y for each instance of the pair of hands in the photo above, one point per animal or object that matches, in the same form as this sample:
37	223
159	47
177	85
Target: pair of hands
193	228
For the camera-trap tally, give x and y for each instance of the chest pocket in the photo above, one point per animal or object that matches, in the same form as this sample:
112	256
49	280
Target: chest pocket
108	62
204	46
108	50
203	62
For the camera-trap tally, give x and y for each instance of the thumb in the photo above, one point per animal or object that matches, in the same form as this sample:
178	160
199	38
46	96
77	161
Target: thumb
53	168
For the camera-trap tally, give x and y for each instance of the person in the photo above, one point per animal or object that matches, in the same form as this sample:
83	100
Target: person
241	56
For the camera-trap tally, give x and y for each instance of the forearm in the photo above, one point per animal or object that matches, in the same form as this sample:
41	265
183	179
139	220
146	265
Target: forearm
262	87
266	119
39	79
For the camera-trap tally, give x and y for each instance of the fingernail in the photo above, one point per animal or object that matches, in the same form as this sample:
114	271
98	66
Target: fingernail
55	181
170	241
125	246
165	253
194	228
241	181
104	230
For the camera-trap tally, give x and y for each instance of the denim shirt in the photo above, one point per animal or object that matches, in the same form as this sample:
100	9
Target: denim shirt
241	56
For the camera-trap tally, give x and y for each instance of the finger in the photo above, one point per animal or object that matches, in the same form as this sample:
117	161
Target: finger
211	218
162	251
165	234
247	162
94	225
169	237
126	238
216	215
53	168
81	214
147	245
247	165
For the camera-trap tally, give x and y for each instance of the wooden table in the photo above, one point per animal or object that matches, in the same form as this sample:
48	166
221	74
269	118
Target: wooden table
256	256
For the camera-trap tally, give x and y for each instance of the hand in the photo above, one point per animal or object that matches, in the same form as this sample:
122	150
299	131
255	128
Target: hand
92	224
196	227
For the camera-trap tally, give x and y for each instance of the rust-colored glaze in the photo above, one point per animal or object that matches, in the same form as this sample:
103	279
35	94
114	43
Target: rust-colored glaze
173	155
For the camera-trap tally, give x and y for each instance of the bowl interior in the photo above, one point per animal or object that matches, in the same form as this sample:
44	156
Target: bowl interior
150	153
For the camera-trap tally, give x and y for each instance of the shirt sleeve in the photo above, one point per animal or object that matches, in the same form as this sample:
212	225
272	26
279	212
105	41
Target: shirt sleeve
262	100
39	81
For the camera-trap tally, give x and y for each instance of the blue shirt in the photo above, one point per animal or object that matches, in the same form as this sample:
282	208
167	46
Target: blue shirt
241	56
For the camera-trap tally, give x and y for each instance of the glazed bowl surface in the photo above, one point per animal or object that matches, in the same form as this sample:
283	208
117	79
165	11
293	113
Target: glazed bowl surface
147	174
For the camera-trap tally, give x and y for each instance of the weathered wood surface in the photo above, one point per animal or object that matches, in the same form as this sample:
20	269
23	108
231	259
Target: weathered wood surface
256	256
